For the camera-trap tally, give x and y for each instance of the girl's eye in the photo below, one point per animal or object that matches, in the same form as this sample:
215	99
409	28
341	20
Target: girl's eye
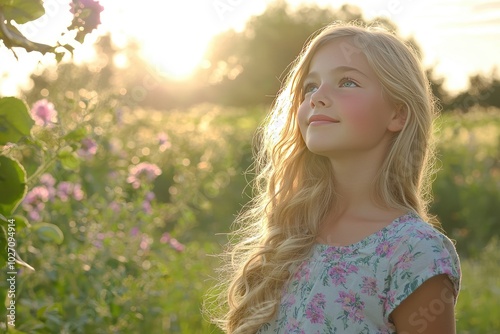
348	83
310	88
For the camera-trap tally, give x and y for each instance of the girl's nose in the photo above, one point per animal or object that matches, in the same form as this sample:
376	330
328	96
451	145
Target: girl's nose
319	99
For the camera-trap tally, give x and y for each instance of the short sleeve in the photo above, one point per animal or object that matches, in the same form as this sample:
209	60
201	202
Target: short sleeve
419	257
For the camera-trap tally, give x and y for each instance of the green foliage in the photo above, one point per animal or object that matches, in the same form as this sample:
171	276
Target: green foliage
16	121
467	188
13	178
86	19
22	11
478	308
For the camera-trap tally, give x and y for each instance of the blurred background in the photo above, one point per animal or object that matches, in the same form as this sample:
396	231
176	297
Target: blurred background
139	141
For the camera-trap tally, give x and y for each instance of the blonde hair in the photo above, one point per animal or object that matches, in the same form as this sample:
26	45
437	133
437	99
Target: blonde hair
294	188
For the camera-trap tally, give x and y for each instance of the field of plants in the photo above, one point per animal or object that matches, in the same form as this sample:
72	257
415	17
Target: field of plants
127	209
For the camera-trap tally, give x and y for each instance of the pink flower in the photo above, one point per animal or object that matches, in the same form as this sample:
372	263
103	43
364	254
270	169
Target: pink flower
164	141
43	113
142	171
86	17
174	243
177	245
165	238
47	180
352	304
384	249
134	231
34	202
369	286
146	241
65	190
315	309
88	148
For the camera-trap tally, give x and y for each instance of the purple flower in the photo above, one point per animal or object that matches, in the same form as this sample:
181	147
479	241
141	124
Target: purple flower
115	206
44	113
86	16
134	231
34	202
47	180
65	190
144	170
147	208
88	148
36	195
163	141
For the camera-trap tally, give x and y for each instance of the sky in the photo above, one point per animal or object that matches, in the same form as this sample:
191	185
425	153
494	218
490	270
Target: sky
458	37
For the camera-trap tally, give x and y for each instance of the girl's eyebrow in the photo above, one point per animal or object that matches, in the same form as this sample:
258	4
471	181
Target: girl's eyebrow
336	70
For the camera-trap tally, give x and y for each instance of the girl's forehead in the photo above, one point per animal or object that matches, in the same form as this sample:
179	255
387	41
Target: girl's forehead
342	53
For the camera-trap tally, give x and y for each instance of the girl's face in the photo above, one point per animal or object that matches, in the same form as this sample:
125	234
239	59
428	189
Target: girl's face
343	111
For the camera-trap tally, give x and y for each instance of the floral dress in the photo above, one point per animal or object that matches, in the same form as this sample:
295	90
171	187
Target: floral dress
354	289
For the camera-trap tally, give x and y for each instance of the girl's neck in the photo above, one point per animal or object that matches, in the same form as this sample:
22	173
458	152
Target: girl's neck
354	181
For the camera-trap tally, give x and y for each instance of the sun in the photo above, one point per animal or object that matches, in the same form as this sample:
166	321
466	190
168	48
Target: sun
175	58
173	34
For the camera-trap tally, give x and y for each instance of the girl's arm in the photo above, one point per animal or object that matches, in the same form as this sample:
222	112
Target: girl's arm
429	309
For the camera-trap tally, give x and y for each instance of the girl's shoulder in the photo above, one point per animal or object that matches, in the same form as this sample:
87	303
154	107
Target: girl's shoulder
411	229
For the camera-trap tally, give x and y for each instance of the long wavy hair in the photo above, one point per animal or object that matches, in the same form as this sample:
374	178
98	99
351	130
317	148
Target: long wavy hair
295	189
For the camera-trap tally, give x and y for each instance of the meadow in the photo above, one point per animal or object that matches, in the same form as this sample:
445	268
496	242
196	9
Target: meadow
135	218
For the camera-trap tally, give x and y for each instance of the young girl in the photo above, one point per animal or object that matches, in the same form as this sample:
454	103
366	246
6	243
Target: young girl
337	239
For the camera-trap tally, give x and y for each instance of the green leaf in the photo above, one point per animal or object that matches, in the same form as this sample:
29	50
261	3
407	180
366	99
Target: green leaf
76	135
49	232
3	246
69	159
15	120
12	183
22	11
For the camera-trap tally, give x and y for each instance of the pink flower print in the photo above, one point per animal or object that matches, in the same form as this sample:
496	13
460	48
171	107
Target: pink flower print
384	249
339	272
388	300
404	261
289	300
316	308
352	305
369	286
303	272
293	326
44	113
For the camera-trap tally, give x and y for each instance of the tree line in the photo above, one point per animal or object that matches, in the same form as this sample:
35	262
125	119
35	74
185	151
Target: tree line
242	68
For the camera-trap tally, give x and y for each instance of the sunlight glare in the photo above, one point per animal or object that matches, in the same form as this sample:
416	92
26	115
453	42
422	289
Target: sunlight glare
173	34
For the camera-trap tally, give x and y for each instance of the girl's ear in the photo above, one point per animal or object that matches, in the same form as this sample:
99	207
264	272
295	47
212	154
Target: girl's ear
398	120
